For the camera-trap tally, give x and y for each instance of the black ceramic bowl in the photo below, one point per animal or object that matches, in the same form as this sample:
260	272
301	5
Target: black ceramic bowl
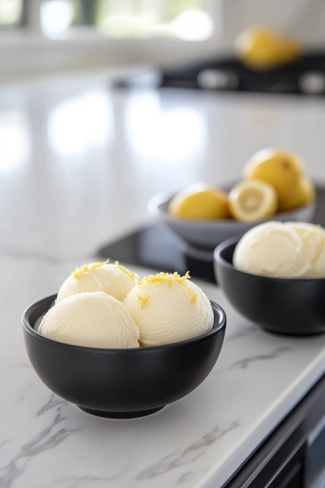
284	306
121	383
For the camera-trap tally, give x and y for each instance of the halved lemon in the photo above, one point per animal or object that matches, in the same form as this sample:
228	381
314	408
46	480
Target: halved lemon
252	200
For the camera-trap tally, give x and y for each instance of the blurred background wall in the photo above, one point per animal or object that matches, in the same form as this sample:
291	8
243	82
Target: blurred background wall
49	36
304	19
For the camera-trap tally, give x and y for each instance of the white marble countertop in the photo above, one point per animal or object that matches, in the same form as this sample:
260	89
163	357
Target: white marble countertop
77	166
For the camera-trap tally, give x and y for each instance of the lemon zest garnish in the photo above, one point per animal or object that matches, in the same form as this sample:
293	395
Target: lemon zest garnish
184	278
87	268
192	294
143	300
158	278
164	277
125	270
140	282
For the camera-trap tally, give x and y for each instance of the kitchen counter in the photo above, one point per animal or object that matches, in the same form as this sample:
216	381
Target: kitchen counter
78	163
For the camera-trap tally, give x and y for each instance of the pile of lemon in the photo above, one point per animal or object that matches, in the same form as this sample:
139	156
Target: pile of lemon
274	181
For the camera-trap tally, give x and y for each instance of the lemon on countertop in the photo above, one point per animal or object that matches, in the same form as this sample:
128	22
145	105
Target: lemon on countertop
261	48
281	169
200	202
252	200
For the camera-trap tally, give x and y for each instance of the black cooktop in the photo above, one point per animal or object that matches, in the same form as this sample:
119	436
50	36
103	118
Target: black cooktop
156	246
303	77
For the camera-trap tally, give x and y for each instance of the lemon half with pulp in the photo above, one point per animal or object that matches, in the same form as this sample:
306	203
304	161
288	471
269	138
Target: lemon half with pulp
252	200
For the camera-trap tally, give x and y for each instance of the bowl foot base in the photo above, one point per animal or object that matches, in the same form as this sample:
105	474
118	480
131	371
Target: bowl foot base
120	415
296	333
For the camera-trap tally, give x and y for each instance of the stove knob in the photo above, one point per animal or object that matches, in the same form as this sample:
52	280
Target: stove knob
312	83
212	79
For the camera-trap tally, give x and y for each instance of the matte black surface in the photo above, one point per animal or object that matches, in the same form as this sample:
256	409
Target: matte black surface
285	306
156	246
120	415
121	383
280	80
285	79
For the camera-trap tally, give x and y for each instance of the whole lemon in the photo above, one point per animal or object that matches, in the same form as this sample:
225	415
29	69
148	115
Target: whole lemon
261	48
281	169
300	194
308	190
201	202
294	198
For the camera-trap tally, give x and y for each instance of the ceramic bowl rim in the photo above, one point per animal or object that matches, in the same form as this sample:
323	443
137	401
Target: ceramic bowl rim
155	202
220	320
218	258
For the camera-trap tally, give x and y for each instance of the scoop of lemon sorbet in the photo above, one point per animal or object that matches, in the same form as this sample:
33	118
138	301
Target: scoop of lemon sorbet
275	249
91	320
112	279
169	308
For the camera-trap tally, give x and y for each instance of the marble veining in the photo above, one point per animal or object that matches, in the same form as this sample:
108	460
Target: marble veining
47	439
185	478
66	197
52	403
86	480
22	396
189	455
245	363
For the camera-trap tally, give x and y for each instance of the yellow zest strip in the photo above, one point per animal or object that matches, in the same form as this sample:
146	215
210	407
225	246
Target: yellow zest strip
161	277
86	268
125	270
183	278
143	300
153	279
192	294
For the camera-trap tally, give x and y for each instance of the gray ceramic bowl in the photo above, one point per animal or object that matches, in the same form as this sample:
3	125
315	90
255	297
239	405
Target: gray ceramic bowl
210	233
